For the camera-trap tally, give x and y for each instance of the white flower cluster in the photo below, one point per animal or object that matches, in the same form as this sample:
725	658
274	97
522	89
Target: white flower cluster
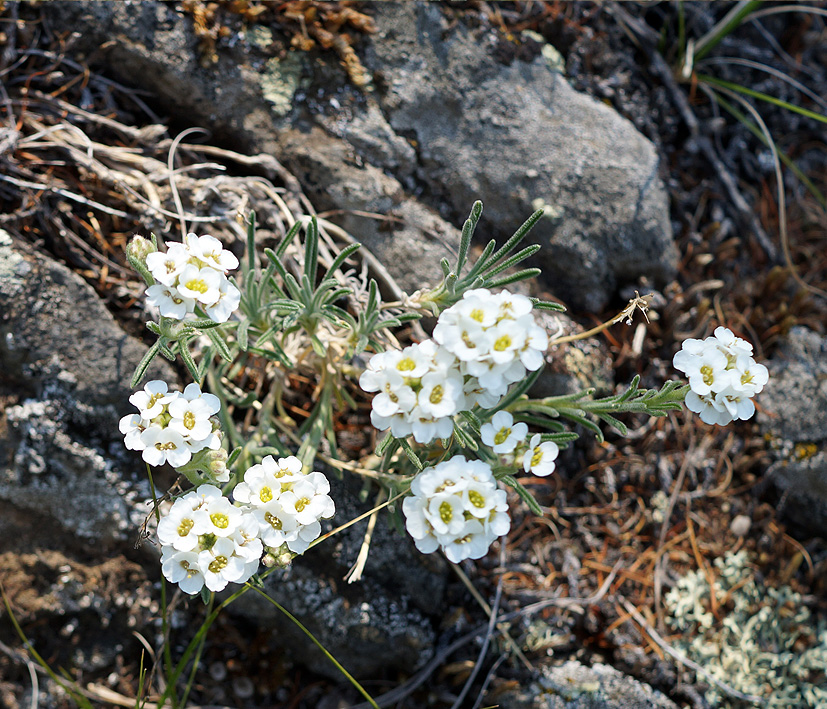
171	426
495	339
456	505
723	377
481	345
420	389
286	504
507	439
207	541
193	274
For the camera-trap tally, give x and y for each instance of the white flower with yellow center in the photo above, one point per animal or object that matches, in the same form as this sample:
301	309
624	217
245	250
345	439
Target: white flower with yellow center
166	267
211	252
169	301
182	525
221	517
540	456
191	418
502	434
202	284
163	445
182	567
152	400
220	564
133	426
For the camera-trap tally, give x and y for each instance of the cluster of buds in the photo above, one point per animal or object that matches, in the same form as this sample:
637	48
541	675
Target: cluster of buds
208	541
193	274
457	506
172	426
723	377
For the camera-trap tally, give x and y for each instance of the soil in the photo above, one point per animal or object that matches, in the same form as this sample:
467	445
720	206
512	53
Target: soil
600	505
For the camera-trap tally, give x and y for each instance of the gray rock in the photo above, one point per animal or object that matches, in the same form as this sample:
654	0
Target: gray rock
575	686
518	135
794	413
62	349
407	237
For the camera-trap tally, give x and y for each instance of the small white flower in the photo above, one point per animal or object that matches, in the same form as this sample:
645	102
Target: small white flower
182	567
539	458
502	433
212	252
163	445
182	526
165	267
222	518
202	284
228	301
133	426
169	301
151	401
220	565
190	418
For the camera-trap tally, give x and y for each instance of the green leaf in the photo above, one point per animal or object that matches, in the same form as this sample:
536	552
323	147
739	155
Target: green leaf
467	232
143	365
220	345
546	305
311	250
342	257
234	456
285	242
251	242
242	333
519	235
410	453
514	277
513	260
524	494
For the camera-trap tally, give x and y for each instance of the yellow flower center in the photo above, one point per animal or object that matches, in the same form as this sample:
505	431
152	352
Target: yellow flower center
446	512
266	494
476	314
189	420
301	503
706	370
185	527
168	446
272	520
436	394
476	499
502	436
746	378
406	365
197	284
220	520
503	343
537	457
217	564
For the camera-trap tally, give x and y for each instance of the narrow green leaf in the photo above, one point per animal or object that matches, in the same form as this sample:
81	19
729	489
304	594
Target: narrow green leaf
344	254
410	453
234	456
251	243
524	494
220	345
281	249
519	235
311	250
143	365
467	232
513	260
514	277
546	305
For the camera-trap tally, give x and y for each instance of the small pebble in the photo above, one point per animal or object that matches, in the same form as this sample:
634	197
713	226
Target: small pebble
243	687
740	525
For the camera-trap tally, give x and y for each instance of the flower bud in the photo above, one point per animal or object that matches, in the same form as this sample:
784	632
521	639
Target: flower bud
136	252
139	248
217	461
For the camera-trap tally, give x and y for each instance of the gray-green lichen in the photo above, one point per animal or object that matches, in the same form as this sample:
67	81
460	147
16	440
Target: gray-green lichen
279	82
768	643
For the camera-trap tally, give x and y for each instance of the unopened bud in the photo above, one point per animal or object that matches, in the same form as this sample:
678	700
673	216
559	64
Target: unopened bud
136	252
217	461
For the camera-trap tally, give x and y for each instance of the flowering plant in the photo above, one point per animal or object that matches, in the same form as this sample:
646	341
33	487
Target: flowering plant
455	407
